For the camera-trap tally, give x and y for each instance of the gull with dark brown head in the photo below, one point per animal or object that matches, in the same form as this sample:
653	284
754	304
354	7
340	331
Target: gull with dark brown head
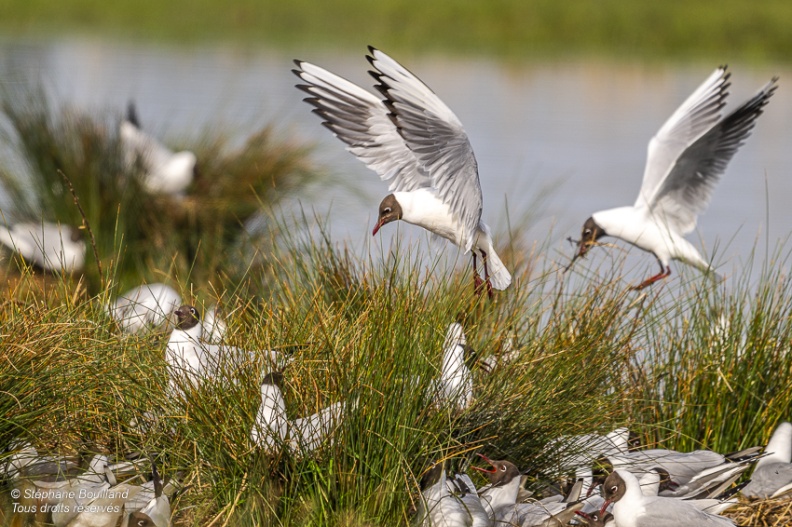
412	139
632	509
686	159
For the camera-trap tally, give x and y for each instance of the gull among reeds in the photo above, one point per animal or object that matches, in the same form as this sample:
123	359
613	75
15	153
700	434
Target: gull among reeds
50	246
191	361
440	506
413	139
455	385
500	499
163	171
772	476
686	158
632	508
273	428
145	307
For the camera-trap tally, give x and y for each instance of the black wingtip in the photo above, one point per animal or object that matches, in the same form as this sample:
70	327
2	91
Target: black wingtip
132	115
157	480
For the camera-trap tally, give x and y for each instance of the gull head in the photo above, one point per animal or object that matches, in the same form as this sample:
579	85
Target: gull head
186	317
389	210
596	518
432	476
501	472
614	488
589	236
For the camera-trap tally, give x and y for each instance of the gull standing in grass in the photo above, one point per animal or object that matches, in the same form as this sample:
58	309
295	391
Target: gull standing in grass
632	509
686	159
772	476
455	386
163	171
49	246
192	361
145	307
414	140
273	428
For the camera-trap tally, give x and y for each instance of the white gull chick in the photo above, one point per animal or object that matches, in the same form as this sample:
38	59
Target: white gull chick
686	159
163	171
632	509
773	473
414	140
145	307
50	246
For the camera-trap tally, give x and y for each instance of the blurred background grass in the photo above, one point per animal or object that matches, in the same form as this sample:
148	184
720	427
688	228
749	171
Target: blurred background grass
523	28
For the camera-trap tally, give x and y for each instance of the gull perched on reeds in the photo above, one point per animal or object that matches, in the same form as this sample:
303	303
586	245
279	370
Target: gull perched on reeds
49	246
192	361
686	159
162	170
632	509
273	428
455	385
772	476
412	139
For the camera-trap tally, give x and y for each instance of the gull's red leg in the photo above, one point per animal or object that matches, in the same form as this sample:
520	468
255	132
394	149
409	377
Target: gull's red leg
665	272
486	275
477	282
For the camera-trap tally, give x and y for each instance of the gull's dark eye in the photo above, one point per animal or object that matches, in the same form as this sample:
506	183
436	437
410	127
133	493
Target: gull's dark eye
387	210
614	489
193	311
503	468
587	232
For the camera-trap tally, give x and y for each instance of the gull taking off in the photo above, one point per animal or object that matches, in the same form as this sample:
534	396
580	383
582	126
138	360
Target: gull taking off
686	159
413	140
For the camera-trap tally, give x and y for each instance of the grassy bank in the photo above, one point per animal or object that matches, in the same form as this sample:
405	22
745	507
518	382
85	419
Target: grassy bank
733	28
591	355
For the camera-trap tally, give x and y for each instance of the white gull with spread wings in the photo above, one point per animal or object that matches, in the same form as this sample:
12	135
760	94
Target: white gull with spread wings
686	159
413	140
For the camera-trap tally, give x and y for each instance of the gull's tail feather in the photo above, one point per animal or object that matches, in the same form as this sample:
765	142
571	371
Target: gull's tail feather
499	275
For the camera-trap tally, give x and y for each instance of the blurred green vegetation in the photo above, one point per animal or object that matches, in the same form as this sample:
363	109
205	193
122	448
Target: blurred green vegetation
734	28
204	236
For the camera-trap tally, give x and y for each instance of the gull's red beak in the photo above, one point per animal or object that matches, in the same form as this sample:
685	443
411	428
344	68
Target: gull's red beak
487	470
379	224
